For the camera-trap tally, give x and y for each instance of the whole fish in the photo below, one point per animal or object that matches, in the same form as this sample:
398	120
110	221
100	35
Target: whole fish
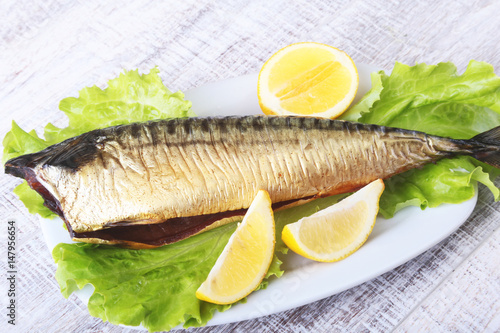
149	184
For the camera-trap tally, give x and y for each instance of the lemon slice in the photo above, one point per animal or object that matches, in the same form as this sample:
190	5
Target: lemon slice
246	258
307	79
339	230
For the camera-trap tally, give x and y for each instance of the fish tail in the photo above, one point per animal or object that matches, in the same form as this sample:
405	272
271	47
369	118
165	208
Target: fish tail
488	150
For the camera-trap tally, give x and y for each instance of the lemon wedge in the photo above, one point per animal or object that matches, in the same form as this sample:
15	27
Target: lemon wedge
307	79
338	231
245	260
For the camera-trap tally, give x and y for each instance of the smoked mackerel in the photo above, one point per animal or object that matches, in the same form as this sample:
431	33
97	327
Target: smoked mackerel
153	183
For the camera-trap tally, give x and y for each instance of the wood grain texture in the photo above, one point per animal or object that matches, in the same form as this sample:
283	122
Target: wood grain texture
465	285
51	49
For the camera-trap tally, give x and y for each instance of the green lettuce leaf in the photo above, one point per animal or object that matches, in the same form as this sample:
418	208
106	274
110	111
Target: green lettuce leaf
18	142
373	95
156	287
33	201
436	100
412	87
449	181
131	97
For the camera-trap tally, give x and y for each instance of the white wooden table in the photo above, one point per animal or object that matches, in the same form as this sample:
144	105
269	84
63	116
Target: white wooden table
51	49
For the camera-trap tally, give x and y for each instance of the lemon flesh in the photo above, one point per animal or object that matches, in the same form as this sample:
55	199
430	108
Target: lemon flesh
307	79
339	230
245	260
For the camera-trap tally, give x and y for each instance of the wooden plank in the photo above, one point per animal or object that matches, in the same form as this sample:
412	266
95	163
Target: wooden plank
468	299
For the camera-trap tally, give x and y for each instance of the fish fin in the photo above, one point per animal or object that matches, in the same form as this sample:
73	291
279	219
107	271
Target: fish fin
491	154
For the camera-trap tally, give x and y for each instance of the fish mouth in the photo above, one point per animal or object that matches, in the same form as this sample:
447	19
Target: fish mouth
22	167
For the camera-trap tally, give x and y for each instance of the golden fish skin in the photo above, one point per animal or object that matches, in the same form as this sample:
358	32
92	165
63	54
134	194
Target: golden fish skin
148	173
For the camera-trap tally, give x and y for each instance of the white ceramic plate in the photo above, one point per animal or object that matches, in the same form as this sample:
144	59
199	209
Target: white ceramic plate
392	242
